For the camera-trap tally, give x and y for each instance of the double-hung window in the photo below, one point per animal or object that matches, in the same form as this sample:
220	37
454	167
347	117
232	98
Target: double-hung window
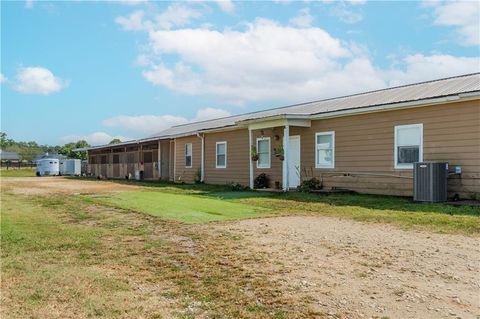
221	155
325	150
188	155
408	145
263	150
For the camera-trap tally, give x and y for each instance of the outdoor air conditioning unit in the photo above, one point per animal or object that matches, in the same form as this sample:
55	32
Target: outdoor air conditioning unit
430	182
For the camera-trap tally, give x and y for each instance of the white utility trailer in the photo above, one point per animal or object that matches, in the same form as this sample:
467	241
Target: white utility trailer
70	167
48	167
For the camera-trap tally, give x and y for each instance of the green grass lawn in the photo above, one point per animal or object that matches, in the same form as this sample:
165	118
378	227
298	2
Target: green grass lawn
17	172
187	208
205	203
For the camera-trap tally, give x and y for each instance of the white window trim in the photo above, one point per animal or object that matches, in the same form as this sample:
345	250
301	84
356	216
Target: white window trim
191	155
395	148
332	133
216	154
269	152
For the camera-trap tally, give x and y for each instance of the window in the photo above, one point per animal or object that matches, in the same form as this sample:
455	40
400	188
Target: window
221	155
325	150
408	145
188	155
263	150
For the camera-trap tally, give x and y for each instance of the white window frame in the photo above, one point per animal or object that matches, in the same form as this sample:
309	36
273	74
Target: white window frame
216	154
191	155
395	146
329	133
269	152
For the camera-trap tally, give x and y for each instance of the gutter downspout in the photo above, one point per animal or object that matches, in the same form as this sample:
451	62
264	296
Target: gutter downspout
202	157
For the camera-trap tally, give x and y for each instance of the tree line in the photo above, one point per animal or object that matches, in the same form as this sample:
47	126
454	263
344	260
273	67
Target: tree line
30	150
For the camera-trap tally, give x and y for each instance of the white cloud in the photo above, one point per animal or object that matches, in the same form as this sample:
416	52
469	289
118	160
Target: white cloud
3	79
38	80
29	4
97	138
130	2
418	67
226	5
150	124
146	124
264	61
463	15
176	15
210	113
267	61
303	20
357	2
345	13
134	22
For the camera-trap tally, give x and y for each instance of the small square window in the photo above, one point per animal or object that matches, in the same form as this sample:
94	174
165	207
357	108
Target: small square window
408	145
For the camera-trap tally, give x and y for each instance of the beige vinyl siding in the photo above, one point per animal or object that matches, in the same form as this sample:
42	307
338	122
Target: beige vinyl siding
365	144
237	169
182	173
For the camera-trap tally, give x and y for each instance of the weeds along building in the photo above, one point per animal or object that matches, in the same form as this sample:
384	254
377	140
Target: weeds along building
365	142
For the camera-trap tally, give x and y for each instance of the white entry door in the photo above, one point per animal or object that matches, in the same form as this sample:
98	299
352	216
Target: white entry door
294	161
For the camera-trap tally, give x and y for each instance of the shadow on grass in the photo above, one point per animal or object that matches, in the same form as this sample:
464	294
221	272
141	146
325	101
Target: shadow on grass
378	202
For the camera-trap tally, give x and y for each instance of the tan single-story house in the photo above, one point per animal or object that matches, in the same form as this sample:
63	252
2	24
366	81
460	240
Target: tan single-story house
364	142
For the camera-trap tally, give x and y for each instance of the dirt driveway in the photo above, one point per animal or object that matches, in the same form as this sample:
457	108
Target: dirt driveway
49	185
343	268
354	270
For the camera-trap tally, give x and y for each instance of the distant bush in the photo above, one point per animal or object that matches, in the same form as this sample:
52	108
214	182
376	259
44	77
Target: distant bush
310	185
236	187
261	181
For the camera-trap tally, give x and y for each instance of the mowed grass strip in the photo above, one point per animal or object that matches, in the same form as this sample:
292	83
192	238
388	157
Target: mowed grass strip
17	172
184	208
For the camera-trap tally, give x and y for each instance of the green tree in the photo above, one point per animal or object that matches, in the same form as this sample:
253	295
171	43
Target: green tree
68	150
115	141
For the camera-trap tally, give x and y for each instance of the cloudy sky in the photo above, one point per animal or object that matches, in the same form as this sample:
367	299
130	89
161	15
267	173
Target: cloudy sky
128	69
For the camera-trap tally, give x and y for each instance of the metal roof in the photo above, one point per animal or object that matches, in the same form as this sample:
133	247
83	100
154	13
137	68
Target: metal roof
9	156
416	92
412	92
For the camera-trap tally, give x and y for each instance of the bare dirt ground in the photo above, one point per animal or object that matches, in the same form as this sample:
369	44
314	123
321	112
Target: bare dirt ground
343	268
50	185
354	270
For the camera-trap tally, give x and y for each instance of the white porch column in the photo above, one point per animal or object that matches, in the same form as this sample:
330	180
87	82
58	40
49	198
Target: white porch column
250	156
202	164
286	135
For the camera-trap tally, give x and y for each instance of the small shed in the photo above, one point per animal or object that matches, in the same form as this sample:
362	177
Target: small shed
9	158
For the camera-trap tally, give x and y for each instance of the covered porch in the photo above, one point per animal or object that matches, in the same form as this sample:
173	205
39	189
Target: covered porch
282	137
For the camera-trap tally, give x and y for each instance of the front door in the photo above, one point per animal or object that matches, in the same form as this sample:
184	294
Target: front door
294	161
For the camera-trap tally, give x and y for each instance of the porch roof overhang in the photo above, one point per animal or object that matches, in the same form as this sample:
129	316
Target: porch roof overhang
275	121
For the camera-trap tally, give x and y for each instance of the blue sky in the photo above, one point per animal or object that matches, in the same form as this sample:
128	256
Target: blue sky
128	69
